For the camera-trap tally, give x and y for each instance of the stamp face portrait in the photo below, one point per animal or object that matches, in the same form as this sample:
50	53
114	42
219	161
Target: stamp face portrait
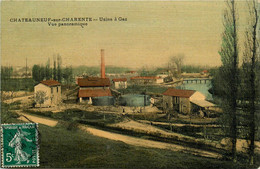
20	145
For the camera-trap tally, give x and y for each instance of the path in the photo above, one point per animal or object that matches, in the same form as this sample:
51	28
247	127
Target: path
179	124
124	138
23	98
147	143
36	119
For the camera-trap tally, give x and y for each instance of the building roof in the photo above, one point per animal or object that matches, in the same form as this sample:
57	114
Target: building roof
93	82
119	80
203	103
131	71
179	93
50	83
144	77
94	92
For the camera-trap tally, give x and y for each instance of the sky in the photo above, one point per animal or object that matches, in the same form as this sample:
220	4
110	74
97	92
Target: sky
154	31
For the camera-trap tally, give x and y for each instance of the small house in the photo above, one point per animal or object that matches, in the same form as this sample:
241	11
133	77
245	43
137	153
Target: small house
204	72
120	83
163	73
47	93
184	101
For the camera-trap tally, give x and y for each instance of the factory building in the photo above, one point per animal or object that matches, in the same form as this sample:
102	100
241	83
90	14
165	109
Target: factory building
146	80
93	87
119	83
184	101
95	90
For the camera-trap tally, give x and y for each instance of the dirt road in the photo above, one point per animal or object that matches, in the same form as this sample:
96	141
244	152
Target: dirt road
23	99
35	119
147	143
126	139
179	124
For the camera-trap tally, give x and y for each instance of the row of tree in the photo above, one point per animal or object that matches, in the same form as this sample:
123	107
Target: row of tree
6	72
238	87
41	72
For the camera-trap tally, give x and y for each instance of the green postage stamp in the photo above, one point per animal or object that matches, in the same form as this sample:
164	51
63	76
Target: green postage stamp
20	145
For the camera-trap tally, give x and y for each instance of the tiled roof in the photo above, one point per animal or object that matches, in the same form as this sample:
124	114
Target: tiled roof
93	82
144	77
94	92
120	80
50	82
179	93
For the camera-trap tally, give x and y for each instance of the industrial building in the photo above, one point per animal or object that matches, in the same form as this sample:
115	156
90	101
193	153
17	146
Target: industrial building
95	90
120	83
146	80
47	93
184	101
93	87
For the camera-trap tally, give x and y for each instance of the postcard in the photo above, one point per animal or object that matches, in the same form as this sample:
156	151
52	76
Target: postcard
130	84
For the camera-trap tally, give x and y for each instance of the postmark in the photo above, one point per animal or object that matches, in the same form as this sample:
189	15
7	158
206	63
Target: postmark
20	145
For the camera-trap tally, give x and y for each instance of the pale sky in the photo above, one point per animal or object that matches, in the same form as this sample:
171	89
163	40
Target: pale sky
153	32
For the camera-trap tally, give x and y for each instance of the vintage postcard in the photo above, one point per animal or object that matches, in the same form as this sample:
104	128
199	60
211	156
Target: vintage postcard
130	84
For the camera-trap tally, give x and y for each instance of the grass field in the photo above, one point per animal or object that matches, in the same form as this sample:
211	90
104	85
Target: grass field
60	148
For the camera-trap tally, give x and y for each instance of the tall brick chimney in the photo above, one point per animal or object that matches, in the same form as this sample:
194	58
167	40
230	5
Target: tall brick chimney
103	64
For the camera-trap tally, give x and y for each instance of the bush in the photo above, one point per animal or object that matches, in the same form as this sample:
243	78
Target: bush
8	116
72	126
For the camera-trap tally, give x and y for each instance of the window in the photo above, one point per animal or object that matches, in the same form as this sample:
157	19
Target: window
177	100
51	90
57	89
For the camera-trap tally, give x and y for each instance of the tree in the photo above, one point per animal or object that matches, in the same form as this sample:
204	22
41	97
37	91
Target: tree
6	72
59	72
176	63
229	74
35	73
38	73
67	75
250	81
42	73
48	70
40	97
145	71
54	68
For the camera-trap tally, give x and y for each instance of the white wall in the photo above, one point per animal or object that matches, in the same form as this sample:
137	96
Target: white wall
53	96
47	90
56	95
120	85
197	96
159	80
